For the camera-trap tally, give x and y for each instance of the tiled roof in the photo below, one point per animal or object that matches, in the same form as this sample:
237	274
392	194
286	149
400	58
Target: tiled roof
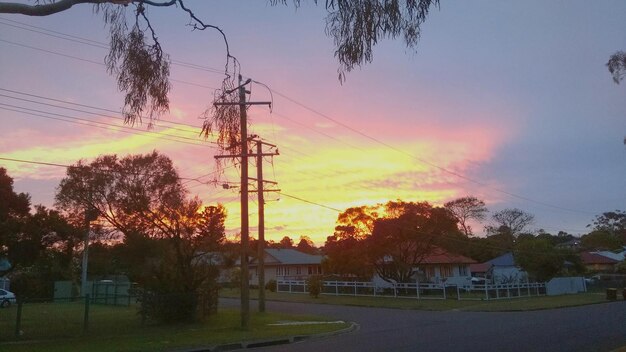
440	256
290	256
593	258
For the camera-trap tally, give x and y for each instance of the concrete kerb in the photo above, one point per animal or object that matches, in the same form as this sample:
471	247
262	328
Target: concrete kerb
271	342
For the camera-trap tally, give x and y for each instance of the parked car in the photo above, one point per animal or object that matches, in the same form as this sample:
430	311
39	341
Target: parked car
6	298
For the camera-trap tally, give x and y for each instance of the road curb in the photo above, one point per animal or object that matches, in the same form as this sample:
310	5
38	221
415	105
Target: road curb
236	346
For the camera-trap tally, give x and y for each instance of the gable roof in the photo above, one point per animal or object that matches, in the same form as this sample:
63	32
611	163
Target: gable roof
290	256
506	259
441	256
593	258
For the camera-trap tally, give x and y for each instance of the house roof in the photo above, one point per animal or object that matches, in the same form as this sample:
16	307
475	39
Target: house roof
594	258
290	256
506	259
480	267
615	256
441	256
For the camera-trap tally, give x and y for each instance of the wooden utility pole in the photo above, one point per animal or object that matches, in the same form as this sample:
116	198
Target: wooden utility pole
245	230
261	200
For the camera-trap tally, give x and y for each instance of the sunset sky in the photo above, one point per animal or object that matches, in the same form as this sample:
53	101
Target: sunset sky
507	101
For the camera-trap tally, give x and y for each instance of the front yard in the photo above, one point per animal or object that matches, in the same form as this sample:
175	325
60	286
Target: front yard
59	327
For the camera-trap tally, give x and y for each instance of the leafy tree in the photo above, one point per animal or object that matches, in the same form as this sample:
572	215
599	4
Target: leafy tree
600	240
398	244
466	209
306	245
128	193
612	222
286	242
13	205
346	257
142	68
542	260
617	67
356	222
142	198
512	221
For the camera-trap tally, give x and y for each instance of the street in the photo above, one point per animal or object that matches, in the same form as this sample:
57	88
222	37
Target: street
600	327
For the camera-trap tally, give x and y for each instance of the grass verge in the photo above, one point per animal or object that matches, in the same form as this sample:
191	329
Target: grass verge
56	328
515	304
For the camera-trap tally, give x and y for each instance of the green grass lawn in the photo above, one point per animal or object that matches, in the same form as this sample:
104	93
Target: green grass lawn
58	327
515	304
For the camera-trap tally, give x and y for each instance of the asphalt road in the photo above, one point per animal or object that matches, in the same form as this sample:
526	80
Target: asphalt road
600	327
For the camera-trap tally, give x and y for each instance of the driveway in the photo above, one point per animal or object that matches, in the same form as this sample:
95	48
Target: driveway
600	327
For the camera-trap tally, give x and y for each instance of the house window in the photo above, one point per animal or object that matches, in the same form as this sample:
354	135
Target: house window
286	270
298	270
463	270
310	270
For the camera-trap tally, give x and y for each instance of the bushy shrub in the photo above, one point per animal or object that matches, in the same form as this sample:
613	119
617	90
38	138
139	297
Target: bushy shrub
168	308
315	285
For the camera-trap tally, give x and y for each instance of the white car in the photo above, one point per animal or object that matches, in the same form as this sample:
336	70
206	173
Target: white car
6	298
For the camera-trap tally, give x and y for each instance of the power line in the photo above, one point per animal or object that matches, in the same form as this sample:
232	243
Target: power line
91	61
100	115
105	126
93	107
93	43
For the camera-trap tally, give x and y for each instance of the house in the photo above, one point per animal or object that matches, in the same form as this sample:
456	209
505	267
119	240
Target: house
284	264
597	263
442	266
500	270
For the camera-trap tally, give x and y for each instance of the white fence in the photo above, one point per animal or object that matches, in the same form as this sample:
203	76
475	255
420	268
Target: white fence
418	290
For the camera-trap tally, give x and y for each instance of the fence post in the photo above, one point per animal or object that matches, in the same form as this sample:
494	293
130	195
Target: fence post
486	292
18	319
444	290
86	316
458	293
497	291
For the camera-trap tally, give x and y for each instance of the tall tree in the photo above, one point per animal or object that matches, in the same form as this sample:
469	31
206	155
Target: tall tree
466	209
306	245
398	244
512	220
612	222
141	196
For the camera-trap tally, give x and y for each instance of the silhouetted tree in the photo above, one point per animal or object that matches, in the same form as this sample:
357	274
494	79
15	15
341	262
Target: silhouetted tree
141	196
306	245
465	209
400	243
286	242
613	222
512	221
